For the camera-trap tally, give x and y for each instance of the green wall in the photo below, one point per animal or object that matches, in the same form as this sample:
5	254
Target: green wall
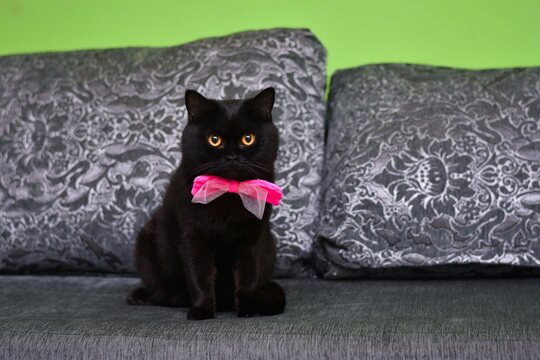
463	33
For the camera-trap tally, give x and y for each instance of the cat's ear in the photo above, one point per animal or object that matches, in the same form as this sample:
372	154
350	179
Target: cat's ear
263	102
196	104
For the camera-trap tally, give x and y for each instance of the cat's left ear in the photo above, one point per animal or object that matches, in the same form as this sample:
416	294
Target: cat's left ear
263	102
196	104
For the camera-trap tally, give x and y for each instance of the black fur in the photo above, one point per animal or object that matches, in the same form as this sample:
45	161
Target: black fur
218	256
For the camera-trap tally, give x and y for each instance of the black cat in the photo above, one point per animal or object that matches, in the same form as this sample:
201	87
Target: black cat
218	256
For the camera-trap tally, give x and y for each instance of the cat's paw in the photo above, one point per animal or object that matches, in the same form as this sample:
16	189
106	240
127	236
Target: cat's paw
199	313
247	304
139	296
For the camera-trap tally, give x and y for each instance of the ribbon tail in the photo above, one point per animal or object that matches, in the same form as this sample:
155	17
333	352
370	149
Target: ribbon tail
206	195
255	202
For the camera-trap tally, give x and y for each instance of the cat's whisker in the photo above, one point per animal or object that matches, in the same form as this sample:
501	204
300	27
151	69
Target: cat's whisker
258	167
251	171
207	167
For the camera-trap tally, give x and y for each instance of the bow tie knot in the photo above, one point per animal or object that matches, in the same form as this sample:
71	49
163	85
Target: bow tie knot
253	193
233	186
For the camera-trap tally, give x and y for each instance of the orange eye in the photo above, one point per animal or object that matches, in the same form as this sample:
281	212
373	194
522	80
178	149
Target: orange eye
248	139
214	140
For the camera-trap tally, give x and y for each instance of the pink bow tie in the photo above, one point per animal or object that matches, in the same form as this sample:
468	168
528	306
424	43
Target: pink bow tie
254	193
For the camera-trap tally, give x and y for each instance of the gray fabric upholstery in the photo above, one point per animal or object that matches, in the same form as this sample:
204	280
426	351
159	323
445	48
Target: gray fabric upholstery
89	139
430	166
86	317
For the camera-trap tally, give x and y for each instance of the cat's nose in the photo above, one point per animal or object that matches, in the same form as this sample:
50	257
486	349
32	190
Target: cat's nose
232	157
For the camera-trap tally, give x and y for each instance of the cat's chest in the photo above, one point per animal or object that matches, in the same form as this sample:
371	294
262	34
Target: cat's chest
227	207
226	217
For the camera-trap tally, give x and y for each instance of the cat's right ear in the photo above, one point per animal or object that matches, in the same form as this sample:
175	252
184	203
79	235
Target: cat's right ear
196	104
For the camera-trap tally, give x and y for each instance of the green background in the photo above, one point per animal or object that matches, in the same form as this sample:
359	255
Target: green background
462	33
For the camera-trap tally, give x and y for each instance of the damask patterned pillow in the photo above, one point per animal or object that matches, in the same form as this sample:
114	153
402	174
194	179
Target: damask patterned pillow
430	167
89	139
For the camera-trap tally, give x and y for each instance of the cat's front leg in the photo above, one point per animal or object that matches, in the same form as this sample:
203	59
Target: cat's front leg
255	293
200	270
246	274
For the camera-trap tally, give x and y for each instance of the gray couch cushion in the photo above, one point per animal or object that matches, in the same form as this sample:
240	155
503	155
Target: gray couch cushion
88	141
430	166
86	317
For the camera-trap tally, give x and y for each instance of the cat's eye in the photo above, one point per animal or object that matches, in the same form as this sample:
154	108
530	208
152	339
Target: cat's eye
214	140
248	139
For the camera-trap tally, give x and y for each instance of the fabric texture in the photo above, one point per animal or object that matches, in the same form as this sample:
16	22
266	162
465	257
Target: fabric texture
430	166
87	318
89	139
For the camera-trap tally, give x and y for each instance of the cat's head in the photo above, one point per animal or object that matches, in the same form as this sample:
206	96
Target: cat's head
234	139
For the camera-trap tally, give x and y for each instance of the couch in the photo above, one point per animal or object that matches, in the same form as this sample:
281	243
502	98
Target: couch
382	253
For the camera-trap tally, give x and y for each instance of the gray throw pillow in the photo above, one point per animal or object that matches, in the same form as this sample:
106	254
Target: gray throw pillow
430	167
89	139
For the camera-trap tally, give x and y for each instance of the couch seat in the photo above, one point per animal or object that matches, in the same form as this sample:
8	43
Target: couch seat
57	317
